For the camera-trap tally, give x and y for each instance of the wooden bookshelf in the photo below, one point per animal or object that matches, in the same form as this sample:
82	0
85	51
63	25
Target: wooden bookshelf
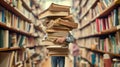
14	10
87	61
103	13
102	52
11	49
88	10
105	32
26	6
4	26
38	28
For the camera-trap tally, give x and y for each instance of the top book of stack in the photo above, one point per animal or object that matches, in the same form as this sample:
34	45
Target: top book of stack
55	10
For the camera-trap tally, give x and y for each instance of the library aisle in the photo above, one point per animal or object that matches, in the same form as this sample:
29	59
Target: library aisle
59	33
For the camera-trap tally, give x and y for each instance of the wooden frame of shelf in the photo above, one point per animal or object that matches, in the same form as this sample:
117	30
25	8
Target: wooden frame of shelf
105	32
14	10
103	13
87	10
11	49
102	52
4	26
26	6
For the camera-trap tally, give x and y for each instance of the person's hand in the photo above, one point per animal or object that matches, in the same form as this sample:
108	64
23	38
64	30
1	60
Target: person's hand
60	40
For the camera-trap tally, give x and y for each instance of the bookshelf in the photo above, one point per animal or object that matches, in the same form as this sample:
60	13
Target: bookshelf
11	49
102	52
102	33
14	10
26	6
103	13
88	9
17	33
99	29
4	26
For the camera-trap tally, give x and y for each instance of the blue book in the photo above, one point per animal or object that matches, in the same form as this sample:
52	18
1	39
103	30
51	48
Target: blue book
3	14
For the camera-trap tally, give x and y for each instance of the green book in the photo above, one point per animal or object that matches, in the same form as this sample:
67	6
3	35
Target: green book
1	38
22	38
116	20
114	44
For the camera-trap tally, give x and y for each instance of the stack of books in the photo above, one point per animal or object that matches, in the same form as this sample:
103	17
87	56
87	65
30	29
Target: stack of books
59	22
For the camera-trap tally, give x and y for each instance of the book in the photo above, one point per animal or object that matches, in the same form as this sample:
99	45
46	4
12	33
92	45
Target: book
11	58
6	39
50	42
60	21
58	33
107	60
21	41
2	10
48	13
56	8
6	58
1	38
51	30
57	50
116	20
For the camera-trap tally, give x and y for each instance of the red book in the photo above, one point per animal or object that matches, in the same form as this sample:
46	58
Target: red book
107	61
97	25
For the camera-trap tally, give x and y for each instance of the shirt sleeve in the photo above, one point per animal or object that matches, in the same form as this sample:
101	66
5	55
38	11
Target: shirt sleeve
70	38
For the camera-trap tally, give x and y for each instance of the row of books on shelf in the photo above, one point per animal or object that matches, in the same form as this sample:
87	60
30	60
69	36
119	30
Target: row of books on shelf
87	7
99	7
19	58
109	43
106	22
14	21
101	24
102	5
97	60
17	4
10	39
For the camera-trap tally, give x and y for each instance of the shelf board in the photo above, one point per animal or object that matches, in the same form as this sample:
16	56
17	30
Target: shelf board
91	21
105	32
26	6
102	52
29	46
87	61
11	49
14	10
87	10
103	13
4	26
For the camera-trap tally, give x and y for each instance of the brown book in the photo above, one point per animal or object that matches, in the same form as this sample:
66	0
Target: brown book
55	30
58	33
48	13
58	53
69	18
57	8
60	21
50	42
57	48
